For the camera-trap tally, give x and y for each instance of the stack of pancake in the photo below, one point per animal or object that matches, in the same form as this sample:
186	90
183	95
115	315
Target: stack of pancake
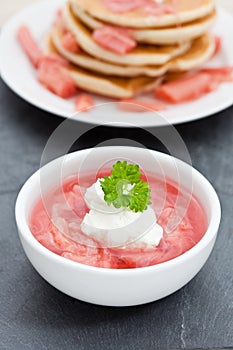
178	41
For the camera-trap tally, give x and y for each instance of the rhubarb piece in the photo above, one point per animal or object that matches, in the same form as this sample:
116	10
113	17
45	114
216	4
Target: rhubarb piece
194	85
54	58
149	7
56	79
29	45
83	102
59	13
155	9
121	6
219	74
70	43
218	45
115	39
134	105
188	88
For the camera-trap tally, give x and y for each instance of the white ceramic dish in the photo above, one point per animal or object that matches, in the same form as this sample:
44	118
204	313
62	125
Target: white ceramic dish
20	76
110	286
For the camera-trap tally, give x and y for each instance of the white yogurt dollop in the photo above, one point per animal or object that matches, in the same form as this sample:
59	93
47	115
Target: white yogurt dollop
114	227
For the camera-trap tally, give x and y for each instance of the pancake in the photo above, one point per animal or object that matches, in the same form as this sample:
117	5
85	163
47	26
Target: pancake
200	51
106	85
140	56
186	11
164	36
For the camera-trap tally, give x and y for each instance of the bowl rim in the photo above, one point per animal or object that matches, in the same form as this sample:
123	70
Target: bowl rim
25	232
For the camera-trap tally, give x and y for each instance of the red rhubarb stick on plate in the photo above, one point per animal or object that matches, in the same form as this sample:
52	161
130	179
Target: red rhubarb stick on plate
194	85
56	79
56	59
187	88
29	45
135	105
83	102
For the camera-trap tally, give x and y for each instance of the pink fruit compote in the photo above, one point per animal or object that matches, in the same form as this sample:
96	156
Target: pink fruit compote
56	218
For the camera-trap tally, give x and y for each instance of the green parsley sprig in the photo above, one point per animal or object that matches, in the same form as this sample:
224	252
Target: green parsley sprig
125	188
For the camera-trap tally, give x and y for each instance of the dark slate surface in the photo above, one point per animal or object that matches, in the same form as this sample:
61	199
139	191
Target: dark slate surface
34	315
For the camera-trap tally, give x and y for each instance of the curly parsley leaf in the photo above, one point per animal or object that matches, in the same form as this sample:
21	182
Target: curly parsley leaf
125	188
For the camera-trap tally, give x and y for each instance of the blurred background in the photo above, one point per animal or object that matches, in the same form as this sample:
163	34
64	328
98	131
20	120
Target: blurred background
9	7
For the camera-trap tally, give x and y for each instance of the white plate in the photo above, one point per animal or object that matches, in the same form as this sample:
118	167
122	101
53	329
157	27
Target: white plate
20	76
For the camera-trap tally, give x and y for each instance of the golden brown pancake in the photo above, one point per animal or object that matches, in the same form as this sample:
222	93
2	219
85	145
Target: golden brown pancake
186	11
200	51
140	56
110	86
159	36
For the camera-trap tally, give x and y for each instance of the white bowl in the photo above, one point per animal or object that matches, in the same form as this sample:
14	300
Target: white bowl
114	287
